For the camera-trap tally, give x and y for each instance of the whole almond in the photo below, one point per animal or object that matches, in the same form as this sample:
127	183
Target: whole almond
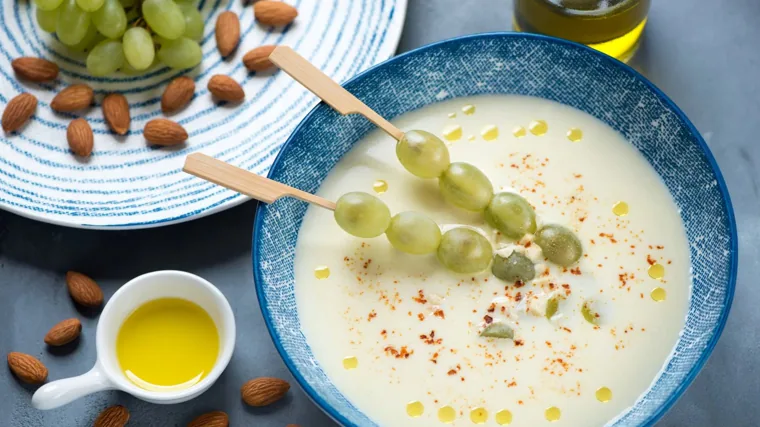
18	111
258	59
63	332
211	419
264	391
274	13
79	135
225	88
116	112
164	132
114	416
35	69
177	94
83	290
227	32
27	368
73	98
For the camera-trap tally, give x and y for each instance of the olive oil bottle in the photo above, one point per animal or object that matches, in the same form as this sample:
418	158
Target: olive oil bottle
610	26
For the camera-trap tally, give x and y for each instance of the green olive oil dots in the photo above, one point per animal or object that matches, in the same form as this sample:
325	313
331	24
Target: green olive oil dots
656	271
452	132
350	362
604	394
468	109
519	132
658	294
489	132
503	417
415	409
380	186
479	415
322	272
575	135
552	414
447	415
538	127
620	208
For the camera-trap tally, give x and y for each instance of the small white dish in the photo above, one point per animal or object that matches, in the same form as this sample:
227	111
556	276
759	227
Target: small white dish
107	375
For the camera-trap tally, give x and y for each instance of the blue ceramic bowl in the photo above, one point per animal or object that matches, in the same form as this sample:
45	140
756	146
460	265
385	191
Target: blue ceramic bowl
510	63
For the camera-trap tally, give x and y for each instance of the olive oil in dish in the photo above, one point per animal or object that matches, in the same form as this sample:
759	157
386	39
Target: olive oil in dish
167	344
574	346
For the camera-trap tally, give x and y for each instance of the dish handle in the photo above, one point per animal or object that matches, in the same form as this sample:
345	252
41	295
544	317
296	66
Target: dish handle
61	392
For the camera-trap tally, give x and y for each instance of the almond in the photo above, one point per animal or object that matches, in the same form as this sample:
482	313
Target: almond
225	88
83	290
79	135
27	368
274	13
73	98
258	59
292	425
18	111
114	416
264	391
63	332
177	94
35	69
227	32
116	112
211	419
164	132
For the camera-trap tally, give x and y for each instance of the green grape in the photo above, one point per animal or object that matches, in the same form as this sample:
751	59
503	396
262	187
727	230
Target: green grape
47	4
47	19
72	24
559	244
127	3
193	21
132	15
465	186
362	215
498	330
165	18
181	53
110	19
511	215
90	5
552	306
464	250
138	48
413	233
513	268
589	312
423	154
105	58
89	40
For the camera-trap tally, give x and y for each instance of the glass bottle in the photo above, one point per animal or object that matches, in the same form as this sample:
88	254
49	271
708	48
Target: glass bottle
611	26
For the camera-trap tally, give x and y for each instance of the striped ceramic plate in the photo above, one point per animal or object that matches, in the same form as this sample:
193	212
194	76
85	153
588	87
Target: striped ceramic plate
127	184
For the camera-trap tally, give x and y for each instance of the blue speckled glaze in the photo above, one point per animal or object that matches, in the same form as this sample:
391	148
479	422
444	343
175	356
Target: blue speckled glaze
510	63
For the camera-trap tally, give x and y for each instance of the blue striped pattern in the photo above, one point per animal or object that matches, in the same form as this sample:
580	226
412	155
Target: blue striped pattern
521	64
127	184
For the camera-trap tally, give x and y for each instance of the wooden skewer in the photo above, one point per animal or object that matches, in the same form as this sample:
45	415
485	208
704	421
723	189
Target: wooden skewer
248	183
327	89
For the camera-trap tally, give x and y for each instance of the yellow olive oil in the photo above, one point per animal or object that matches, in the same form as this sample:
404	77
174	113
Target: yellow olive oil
610	26
167	344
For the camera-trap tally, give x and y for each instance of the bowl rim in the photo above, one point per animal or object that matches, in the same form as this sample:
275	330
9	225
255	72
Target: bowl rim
730	217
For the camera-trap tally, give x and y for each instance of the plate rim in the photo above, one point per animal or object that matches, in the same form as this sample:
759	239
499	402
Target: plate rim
231	198
730	218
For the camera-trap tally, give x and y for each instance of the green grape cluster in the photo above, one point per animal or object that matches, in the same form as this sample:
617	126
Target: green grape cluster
123	34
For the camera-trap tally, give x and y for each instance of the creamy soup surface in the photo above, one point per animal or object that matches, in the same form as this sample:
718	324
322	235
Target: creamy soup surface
399	335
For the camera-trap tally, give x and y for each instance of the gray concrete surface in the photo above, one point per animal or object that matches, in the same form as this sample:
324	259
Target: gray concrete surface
702	53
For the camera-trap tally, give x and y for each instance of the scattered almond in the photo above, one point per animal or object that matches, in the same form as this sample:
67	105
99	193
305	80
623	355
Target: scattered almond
18	111
274	13
227	32
264	391
292	425
116	112
73	98
63	332
177	94
35	69
225	88
79	135
258	59
164	132
27	368
211	419
83	290
114	416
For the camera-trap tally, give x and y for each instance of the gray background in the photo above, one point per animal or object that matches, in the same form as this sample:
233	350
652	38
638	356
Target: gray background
705	54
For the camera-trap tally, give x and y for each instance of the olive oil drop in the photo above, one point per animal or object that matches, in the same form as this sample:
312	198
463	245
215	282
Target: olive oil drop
610	26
